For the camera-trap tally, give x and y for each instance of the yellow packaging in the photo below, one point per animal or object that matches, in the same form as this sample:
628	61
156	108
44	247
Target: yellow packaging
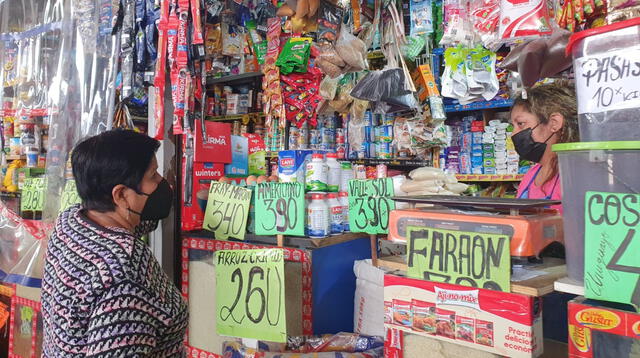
425	83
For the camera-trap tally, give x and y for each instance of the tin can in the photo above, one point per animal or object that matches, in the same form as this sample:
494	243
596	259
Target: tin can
388	120
294	137
369	133
381	171
384	134
340	136
341	150
328	135
303	140
236	128
314	137
384	151
370	150
368	117
360	171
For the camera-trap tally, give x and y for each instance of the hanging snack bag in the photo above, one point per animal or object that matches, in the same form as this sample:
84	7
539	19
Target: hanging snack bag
329	19
295	55
523	19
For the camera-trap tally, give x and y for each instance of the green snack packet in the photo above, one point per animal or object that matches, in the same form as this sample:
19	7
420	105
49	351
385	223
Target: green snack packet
414	47
294	56
260	49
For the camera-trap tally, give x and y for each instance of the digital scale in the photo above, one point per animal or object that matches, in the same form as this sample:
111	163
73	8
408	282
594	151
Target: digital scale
529	224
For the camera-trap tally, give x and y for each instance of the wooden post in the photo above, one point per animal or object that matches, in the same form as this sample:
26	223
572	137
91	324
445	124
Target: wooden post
374	249
280	238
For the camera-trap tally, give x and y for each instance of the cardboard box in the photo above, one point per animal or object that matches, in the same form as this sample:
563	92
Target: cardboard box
217	148
425	83
203	174
596	331
239	166
505	323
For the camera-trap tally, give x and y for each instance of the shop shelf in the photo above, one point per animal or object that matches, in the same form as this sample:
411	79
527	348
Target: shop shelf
489	177
234	117
393	162
16	157
568	285
245	77
476	106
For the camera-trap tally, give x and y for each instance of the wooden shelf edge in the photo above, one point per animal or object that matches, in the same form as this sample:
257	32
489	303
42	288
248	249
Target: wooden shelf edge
568	285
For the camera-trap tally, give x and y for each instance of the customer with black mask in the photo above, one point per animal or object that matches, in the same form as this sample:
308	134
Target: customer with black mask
547	116
103	292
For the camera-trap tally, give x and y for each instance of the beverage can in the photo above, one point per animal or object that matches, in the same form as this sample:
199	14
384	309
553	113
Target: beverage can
341	151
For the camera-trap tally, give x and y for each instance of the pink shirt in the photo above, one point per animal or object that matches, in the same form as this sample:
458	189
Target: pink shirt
550	190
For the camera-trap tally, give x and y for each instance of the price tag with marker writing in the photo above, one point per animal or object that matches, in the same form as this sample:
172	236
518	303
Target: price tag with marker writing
69	196
280	209
227	210
370	204
33	194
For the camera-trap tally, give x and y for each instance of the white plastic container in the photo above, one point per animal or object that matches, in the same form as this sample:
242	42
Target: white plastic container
344	201
334	175
605	61
335	214
317	174
346	170
318	216
592	166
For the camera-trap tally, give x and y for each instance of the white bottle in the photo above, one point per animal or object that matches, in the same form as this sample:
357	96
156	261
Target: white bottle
318	216
344	201
335	173
316	174
335	209
346	174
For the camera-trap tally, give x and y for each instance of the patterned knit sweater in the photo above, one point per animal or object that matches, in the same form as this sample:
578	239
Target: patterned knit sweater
105	295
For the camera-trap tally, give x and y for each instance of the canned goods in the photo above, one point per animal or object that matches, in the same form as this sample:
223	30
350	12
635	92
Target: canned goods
381	171
303	140
368	117
384	134
314	137
328	135
370	150
369	134
360	171
388	120
341	150
371	172
294	136
384	151
340	136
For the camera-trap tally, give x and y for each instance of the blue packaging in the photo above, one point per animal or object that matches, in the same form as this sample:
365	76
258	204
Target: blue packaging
291	165
369	149
384	150
369	134
388	120
368	117
384	134
327	135
239	166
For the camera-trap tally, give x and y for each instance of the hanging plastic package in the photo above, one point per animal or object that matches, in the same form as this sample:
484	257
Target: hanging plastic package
421	18
196	20
523	19
352	51
294	56
182	54
151	16
127	46
161	64
329	20
140	36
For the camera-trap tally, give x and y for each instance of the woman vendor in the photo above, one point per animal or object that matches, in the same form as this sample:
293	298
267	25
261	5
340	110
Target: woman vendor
547	116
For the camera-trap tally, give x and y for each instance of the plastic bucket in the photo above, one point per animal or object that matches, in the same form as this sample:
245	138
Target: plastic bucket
592	166
606	61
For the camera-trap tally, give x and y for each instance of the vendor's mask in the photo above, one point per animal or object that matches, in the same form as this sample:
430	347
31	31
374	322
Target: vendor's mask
527	147
158	203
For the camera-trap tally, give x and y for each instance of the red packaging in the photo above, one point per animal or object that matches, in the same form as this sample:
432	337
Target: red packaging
172	38
523	18
372	172
393	343
465	328
182	48
161	64
445	323
424	316
484	333
196	36
203	174
388	312
402	313
217	147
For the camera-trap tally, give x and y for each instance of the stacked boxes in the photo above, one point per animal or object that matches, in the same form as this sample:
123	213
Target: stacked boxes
499	153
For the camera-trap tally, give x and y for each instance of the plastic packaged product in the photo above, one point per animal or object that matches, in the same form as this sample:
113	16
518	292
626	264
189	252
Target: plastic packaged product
421	19
344	201
346	174
317	174
523	19
318	216
334	175
335	214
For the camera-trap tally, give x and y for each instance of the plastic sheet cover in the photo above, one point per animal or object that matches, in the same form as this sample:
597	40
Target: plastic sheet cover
58	59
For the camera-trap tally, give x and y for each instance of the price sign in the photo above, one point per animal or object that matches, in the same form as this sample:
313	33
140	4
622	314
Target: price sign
33	194
370	204
612	244
250	300
463	258
608	81
227	210
69	196
280	209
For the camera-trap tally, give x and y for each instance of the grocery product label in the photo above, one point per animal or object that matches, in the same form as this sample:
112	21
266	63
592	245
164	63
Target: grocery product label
611	266
463	258
280	209
33	194
608	81
370	204
250	300
69	196
227	210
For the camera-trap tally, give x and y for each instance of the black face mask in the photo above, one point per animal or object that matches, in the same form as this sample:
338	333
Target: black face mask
158	203
527	148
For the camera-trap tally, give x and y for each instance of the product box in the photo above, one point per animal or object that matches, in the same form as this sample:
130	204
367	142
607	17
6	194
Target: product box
291	165
423	79
238	103
503	323
217	146
596	331
239	166
203	174
257	154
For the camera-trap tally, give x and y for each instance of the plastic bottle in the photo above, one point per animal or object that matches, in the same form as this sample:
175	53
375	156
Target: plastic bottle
316	175
318	216
346	174
344	201
335	173
336	209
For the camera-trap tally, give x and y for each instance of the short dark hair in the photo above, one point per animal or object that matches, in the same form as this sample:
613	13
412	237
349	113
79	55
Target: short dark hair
103	161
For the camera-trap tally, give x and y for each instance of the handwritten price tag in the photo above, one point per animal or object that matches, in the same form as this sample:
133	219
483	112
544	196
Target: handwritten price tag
69	196
608	81
370	204
227	210
612	244
250	294
280	209
33	194
463	258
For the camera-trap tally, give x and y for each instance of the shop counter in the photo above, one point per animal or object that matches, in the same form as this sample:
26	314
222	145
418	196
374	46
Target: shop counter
319	284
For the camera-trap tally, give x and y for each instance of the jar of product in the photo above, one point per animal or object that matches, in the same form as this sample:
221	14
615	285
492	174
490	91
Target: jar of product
344	201
335	210
316	174
346	174
318	216
335	173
